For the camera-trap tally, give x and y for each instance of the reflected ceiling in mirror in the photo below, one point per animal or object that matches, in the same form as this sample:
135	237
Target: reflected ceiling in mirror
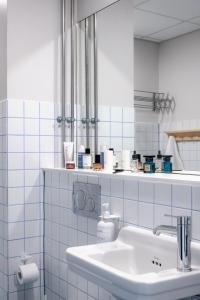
167	63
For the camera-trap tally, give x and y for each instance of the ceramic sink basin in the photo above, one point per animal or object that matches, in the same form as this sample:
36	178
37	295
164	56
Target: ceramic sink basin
137	266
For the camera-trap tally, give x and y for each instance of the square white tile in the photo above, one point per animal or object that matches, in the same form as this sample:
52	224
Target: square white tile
196	225
104	113
163	193
116	129
31	109
117	207
128	130
15	126
15	108
128	114
131	189
131	211
31	127
15	143
46	110
182	196
146	215
117	187
196	198
116	114
32	144
146	191
32	161
16	213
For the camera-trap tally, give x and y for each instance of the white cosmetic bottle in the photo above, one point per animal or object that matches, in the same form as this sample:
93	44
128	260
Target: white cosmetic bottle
106	229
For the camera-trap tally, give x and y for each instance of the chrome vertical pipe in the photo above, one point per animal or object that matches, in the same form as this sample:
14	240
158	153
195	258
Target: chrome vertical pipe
3	49
73	67
63	70
87	82
95	83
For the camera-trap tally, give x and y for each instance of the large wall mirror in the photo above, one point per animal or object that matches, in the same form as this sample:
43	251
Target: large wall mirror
139	61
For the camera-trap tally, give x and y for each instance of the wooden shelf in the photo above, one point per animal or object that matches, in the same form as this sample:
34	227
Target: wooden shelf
185	135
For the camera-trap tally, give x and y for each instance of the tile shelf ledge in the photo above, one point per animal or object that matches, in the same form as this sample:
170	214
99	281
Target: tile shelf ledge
185	135
192	178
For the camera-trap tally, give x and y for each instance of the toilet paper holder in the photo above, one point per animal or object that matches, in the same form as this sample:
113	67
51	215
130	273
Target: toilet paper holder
27	272
25	258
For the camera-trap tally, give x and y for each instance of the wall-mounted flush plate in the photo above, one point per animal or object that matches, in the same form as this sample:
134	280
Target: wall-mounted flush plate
87	199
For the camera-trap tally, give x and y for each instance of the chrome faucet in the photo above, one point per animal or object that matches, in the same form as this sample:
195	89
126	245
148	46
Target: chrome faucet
183	232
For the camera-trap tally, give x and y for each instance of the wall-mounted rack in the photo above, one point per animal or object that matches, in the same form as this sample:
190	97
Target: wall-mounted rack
185	135
154	101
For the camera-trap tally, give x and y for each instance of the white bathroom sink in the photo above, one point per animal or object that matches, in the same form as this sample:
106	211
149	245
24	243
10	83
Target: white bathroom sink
137	266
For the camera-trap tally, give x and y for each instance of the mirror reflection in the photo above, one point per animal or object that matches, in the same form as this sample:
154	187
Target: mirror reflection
142	79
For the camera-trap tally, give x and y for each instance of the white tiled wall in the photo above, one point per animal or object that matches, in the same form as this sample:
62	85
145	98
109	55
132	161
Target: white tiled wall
27	144
3	202
146	138
115	128
141	203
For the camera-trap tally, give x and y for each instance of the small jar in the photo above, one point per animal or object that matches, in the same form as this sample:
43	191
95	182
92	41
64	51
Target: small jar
149	164
87	159
97	166
159	162
167	164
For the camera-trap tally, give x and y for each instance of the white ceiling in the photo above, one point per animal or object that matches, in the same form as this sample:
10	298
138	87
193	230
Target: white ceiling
160	20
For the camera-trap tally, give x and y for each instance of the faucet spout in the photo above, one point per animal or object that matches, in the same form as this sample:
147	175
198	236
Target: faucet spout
164	229
183	232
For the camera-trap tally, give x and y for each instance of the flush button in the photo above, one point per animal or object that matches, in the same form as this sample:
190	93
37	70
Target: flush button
90	204
87	199
80	200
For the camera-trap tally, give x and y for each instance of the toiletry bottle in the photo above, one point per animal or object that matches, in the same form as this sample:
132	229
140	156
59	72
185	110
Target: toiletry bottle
159	162
167	164
115	162
103	148
126	160
81	153
106	226
108	160
87	159
135	162
69	155
140	164
149	164
97	166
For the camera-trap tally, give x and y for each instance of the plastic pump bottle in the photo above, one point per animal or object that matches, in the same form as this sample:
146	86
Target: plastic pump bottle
81	153
106	226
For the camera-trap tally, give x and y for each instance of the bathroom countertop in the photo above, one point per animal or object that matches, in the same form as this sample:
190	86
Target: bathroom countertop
182	177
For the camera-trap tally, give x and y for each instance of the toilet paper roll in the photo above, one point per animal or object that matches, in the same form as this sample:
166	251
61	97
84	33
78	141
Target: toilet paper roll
28	273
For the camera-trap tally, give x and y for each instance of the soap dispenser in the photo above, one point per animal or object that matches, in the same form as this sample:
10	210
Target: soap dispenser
106	229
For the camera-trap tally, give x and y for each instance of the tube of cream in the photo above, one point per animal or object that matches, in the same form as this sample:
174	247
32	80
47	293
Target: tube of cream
69	155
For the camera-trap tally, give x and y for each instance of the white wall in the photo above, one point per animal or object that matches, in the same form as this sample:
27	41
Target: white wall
86	8
115	54
3	49
146	55
34	49
146	65
179	74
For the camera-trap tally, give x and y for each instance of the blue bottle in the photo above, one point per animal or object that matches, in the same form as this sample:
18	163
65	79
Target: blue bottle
149	164
167	164
81	152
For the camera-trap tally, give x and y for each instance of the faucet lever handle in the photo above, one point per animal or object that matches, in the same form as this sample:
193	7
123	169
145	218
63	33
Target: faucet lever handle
171	216
181	220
